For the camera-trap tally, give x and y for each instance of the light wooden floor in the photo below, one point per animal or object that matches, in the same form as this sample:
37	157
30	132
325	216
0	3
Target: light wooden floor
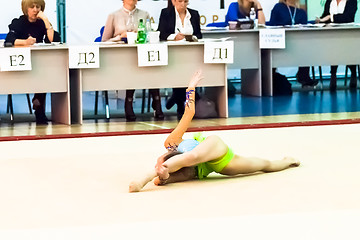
119	126
77	189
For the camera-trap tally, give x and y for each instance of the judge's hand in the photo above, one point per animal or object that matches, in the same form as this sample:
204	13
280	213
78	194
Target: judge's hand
30	41
324	19
116	38
179	36
42	16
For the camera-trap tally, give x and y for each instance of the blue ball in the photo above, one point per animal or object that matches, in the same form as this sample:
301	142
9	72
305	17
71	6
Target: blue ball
187	145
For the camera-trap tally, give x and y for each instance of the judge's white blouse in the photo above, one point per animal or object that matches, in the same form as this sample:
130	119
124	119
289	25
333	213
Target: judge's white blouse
185	28
337	9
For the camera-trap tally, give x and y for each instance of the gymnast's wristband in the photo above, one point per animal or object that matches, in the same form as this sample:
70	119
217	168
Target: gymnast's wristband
189	93
189	100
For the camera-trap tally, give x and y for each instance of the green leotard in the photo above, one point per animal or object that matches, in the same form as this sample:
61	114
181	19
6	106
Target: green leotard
217	165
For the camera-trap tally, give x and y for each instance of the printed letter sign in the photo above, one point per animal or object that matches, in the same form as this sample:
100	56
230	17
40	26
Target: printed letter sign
272	38
219	52
152	55
15	59
84	57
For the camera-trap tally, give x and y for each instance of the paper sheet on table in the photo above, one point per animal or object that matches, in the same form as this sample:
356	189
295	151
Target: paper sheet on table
215	39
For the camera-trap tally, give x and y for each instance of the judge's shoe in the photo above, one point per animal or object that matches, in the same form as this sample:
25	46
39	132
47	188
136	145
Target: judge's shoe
40	117
129	111
353	82
158	113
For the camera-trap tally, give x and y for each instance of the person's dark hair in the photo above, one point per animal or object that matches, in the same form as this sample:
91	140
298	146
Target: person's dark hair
170	4
171	154
185	170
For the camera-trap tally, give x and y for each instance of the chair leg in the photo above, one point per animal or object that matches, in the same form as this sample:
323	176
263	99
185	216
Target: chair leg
96	102
148	103
313	72
29	103
321	77
107	110
143	100
358	69
346	75
10	106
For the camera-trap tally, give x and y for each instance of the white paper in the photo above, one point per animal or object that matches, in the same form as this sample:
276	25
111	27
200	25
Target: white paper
15	59
219	52
84	57
152	55
272	38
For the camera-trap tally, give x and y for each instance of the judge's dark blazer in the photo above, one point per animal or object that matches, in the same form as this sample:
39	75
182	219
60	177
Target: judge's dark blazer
349	12
168	19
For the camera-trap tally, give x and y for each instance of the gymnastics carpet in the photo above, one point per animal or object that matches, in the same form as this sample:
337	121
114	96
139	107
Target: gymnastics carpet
78	189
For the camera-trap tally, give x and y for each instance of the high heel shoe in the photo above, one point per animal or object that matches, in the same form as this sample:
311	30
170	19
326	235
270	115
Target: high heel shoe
170	102
158	113
129	111
40	117
353	82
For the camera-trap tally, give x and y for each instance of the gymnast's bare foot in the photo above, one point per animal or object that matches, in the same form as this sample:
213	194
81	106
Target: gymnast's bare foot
135	186
293	162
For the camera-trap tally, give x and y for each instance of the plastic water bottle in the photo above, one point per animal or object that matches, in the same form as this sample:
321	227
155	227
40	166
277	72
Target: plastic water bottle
141	36
148	29
130	24
253	16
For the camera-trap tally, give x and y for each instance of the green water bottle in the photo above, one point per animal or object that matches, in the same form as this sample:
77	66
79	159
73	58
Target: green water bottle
141	36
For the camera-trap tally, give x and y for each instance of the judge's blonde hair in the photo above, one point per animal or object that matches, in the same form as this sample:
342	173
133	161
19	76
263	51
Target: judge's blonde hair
26	4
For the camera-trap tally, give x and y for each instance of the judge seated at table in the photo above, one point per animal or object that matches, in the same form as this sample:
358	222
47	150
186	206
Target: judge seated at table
288	13
118	24
177	21
241	10
30	28
340	11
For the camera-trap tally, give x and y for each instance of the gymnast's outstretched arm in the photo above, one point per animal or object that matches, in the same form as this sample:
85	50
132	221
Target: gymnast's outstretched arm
175	137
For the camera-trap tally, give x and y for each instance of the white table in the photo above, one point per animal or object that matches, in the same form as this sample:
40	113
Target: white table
337	45
49	74
247	57
119	71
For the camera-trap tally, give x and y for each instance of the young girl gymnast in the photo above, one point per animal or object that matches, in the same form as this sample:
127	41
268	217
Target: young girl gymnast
197	158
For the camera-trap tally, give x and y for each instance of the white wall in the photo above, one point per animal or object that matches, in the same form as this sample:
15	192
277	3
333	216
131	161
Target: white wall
12	9
84	18
84	23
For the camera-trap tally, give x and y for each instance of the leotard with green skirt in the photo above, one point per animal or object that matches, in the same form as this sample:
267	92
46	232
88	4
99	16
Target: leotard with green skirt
217	165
